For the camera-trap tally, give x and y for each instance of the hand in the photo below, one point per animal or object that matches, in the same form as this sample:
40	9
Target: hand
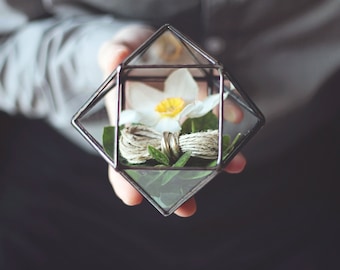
111	55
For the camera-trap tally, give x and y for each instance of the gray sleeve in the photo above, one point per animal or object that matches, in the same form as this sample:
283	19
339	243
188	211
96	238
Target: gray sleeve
49	67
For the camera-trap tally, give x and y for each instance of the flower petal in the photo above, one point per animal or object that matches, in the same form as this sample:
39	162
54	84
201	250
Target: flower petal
149	118
200	108
129	116
180	83
132	117
191	109
208	104
142	97
167	124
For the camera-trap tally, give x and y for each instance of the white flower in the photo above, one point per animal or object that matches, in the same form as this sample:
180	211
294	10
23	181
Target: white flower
165	110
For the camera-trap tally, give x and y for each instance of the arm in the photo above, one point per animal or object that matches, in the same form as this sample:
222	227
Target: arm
49	67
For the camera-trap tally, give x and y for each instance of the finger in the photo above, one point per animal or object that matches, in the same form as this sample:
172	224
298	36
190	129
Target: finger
133	35
111	55
123	189
113	52
232	112
187	209
237	164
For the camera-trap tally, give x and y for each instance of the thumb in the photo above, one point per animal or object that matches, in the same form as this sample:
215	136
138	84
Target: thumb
111	55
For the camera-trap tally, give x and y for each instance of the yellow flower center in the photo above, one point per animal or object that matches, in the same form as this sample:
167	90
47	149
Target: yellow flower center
170	107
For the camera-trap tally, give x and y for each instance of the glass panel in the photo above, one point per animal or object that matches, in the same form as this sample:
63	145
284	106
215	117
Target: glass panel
97	120
170	49
167	189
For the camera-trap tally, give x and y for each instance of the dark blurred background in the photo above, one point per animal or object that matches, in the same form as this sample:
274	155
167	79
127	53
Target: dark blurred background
58	210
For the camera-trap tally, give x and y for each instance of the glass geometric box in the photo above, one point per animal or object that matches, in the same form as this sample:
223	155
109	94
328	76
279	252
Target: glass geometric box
170	119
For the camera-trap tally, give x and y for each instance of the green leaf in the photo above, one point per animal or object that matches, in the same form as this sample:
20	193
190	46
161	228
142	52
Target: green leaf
182	160
108	140
158	155
236	139
195	175
225	141
232	145
168	176
212	163
203	123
